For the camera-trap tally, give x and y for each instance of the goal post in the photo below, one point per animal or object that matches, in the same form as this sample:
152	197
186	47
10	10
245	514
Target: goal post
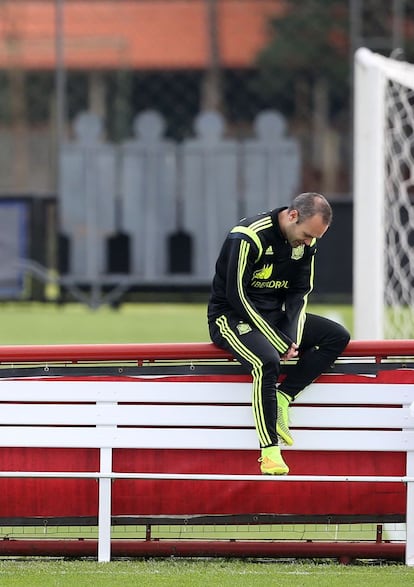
383	257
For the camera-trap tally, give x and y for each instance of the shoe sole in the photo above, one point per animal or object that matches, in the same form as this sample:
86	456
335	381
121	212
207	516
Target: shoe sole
275	472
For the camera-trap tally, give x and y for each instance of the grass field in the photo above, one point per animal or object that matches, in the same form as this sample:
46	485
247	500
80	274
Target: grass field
184	573
31	323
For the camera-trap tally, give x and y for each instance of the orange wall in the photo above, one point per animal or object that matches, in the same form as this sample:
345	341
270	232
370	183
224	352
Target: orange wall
145	34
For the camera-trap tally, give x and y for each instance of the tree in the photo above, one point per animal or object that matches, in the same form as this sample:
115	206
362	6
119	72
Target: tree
305	71
308	55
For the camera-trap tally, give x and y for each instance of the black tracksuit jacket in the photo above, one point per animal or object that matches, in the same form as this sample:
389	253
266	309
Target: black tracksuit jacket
263	280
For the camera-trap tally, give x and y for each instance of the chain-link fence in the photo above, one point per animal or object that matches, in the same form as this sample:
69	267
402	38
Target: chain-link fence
119	58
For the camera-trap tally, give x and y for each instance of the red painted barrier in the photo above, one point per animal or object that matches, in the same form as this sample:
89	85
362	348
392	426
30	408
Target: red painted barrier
174	351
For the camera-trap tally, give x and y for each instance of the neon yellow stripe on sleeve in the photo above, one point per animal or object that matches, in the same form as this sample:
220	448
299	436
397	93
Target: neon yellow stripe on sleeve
251	234
302	317
261	324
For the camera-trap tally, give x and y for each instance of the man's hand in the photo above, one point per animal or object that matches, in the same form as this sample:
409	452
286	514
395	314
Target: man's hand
291	353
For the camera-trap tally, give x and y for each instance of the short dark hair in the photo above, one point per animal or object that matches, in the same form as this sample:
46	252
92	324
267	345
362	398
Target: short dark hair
309	204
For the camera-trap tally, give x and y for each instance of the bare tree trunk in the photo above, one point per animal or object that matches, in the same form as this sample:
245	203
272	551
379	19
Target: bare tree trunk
302	101
211	91
20	165
325	143
18	116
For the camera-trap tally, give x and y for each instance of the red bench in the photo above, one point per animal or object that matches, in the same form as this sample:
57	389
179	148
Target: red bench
172	425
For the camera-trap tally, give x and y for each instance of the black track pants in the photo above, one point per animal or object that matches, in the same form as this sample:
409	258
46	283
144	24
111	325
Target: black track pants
322	342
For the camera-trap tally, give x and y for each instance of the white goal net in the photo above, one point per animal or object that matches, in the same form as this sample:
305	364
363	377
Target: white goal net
383	197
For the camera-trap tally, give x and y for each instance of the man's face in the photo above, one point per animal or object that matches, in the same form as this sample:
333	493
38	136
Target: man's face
303	233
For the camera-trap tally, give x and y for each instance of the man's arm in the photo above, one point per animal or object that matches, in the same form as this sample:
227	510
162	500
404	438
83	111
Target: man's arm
297	298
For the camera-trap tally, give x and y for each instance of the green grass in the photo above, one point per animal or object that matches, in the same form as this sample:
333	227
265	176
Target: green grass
35	323
184	573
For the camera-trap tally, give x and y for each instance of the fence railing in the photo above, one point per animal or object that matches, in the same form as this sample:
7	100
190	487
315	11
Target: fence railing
376	350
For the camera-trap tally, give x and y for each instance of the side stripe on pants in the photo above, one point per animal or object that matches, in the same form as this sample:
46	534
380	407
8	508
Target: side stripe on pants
257	373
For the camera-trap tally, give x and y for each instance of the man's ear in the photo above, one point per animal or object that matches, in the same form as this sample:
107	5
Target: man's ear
293	215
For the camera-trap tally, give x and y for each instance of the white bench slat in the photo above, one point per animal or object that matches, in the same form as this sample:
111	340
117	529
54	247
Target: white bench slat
350	417
124	415
224	416
199	438
357	393
204	476
151	390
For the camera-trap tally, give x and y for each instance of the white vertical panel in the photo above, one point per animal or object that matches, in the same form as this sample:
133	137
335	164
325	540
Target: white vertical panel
105	497
271	165
210	190
87	194
369	161
148	184
409	552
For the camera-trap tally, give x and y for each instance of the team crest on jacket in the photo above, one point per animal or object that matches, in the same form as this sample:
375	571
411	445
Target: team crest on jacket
264	273
298	252
243	328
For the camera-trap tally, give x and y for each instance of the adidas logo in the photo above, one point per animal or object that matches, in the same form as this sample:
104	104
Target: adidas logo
269	250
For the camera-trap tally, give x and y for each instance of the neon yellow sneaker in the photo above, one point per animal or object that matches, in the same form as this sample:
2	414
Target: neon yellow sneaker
282	424
272	463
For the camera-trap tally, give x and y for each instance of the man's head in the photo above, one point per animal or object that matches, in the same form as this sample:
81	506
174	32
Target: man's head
307	218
